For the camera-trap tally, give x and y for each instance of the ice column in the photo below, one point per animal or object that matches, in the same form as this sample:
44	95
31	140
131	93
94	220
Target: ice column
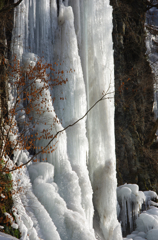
71	103
93	23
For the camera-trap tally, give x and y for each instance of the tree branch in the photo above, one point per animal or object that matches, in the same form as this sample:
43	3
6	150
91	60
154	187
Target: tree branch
10	6
71	125
150	5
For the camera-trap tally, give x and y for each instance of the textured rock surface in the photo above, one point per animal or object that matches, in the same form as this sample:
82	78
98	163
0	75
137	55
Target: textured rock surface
134	119
6	25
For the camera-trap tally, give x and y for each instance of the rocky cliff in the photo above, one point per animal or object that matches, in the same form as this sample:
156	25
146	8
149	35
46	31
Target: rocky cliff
6	25
134	119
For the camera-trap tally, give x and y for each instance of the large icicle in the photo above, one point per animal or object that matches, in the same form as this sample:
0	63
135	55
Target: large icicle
94	30
74	103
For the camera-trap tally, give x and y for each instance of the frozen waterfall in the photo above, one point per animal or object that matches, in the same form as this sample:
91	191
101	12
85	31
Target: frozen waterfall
78	183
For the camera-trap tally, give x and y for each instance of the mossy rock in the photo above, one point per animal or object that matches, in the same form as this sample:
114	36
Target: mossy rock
12	231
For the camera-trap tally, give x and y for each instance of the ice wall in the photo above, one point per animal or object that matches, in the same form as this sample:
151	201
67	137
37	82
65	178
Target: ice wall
80	40
93	25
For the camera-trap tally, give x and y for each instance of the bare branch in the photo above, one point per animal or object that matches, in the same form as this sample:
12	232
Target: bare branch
150	5
10	7
71	125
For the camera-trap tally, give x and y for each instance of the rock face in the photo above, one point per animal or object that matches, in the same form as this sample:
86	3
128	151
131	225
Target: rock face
134	118
6	25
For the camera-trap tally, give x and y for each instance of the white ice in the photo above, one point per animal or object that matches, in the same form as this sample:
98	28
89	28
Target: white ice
81	40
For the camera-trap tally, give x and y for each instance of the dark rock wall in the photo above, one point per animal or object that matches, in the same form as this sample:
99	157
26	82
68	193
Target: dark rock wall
6	25
134	119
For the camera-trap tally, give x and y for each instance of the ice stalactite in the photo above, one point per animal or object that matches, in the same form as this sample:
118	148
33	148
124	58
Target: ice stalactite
93	23
74	103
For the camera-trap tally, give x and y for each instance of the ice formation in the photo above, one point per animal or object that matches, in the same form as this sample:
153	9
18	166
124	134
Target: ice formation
146	226
79	176
137	211
131	201
73	194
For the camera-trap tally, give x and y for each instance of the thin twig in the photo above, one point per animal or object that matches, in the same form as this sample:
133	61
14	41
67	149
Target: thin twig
55	136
